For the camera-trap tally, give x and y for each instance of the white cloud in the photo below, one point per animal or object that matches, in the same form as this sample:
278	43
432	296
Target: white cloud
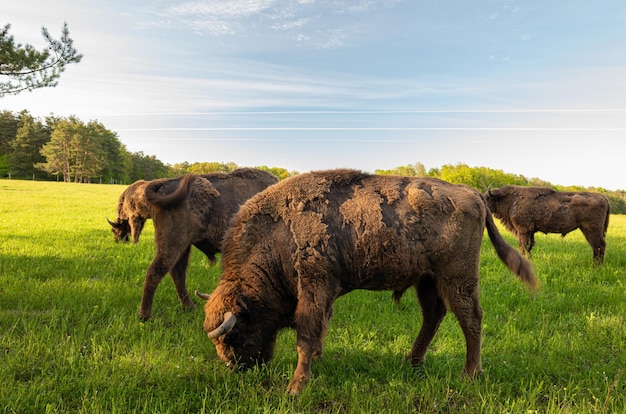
288	25
302	22
221	9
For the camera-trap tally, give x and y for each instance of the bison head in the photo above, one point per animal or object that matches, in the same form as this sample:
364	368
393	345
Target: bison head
243	337
120	229
492	197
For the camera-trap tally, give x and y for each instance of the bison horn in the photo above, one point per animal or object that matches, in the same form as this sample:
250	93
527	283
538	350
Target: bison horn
489	189
114	224
229	322
201	295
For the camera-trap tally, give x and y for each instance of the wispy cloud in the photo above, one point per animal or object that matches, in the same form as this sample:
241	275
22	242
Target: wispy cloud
221	9
303	22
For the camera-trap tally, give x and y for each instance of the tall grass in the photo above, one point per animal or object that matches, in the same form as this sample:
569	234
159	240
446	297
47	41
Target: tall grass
71	340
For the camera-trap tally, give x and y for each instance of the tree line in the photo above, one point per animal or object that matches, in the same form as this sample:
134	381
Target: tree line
482	178
67	149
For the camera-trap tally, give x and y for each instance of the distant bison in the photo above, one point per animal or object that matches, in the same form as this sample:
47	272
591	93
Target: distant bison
527	210
193	210
297	246
132	213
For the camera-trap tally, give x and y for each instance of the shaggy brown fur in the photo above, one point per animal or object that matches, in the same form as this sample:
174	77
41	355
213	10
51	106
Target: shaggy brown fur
132	213
297	246
527	210
194	210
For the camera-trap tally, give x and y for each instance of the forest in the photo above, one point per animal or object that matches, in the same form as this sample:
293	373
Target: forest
68	149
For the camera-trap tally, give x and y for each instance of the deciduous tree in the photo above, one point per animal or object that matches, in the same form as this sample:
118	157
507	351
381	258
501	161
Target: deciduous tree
75	150
59	152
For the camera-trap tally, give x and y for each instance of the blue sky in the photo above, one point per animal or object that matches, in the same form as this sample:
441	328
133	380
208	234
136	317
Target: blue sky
530	87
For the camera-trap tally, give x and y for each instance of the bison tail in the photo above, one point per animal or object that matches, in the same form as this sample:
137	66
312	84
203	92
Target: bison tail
606	220
169	200
511	257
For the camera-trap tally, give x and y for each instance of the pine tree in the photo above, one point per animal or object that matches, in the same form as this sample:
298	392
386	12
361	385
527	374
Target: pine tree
24	68
26	146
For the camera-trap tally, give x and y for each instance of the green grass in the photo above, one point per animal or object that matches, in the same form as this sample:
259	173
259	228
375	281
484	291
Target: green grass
71	340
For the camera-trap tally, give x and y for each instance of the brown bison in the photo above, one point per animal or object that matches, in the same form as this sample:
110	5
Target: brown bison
132	213
193	210
294	248
527	210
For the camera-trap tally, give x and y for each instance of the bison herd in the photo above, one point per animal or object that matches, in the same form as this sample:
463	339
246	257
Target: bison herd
291	248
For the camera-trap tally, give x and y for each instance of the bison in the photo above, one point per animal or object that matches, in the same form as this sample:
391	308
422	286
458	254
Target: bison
193	210
294	248
132	213
527	210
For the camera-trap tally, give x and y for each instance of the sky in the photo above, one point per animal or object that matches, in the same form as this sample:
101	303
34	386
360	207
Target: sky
534	88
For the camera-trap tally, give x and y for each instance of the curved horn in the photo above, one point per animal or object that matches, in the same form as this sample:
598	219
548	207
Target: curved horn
114	224
201	295
229	322
489	190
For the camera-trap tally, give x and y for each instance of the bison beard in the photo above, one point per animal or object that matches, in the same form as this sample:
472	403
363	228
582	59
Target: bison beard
527	210
193	210
297	246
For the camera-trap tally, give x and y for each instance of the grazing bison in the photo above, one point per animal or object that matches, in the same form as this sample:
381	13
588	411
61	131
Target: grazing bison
294	248
132	212
527	210
193	210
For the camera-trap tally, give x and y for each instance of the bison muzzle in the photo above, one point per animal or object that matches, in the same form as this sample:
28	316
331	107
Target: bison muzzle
294	248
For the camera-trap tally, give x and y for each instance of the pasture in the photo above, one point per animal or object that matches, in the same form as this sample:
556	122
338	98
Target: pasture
71	340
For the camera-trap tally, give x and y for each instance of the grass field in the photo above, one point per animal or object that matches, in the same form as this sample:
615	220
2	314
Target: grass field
71	340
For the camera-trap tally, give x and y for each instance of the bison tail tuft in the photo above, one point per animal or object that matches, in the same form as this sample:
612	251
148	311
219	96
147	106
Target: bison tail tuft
511	257
522	268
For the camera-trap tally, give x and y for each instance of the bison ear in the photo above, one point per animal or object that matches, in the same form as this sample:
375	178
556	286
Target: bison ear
207	187
243	305
493	194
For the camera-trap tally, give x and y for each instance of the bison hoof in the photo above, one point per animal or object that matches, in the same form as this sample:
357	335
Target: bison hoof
297	384
415	361
144	318
295	387
475	374
189	307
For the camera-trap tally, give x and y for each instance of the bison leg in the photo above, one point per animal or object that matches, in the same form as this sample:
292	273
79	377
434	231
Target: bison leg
179	275
526	242
311	322
164	261
465	305
597	242
302	373
136	226
433	311
154	274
